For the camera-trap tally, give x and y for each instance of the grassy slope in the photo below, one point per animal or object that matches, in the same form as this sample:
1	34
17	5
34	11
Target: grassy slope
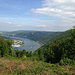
30	67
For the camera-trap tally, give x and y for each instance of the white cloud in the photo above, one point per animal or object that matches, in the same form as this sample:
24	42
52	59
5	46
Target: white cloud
9	23
41	25
58	2
64	9
19	25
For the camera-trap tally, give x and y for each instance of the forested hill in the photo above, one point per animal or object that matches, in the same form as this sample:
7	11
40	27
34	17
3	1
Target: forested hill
40	36
61	49
52	36
33	35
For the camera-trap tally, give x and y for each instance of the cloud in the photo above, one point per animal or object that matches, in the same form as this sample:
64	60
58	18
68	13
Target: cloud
41	25
19	25
9	23
63	9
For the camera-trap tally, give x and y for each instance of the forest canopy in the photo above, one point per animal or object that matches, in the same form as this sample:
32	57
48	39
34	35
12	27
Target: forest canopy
57	50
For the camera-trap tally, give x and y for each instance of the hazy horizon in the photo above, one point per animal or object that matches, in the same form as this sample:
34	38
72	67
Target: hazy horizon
31	30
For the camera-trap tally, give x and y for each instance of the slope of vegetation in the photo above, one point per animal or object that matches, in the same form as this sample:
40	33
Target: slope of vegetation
57	57
58	50
30	67
52	36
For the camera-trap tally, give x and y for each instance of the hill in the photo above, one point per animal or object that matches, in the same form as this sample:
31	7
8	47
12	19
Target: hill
39	36
33	35
52	36
57	57
58	49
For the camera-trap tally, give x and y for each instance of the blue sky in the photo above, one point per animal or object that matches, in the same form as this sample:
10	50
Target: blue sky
40	15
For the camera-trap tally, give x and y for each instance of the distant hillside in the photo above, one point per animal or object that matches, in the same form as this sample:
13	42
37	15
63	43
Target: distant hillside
60	49
52	36
40	36
33	35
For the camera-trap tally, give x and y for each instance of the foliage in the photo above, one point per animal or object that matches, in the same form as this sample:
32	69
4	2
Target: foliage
66	61
58	49
24	57
52	36
5	47
22	53
30	67
60	54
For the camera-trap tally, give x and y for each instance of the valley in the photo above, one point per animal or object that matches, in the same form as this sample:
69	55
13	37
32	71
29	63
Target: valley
55	57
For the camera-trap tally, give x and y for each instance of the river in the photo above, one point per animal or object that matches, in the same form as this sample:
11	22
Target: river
29	45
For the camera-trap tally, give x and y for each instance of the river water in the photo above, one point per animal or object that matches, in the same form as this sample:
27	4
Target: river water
29	45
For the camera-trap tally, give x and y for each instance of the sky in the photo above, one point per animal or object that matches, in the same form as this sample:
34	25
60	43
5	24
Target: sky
39	15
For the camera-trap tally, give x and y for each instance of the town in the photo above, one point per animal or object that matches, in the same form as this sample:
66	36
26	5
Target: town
17	43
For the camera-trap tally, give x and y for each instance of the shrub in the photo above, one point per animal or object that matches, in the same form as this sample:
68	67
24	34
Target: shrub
24	57
66	61
61	62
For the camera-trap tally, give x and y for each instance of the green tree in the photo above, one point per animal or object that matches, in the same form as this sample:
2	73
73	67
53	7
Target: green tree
5	47
9	46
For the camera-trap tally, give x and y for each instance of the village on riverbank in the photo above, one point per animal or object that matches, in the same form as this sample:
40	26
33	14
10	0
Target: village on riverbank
17	43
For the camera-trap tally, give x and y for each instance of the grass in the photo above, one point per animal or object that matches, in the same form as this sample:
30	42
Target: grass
30	67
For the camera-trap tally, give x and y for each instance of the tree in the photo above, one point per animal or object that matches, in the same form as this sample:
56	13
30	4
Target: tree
5	47
9	46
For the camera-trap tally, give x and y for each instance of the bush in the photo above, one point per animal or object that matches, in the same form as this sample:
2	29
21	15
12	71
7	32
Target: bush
66	61
61	62
7	56
35	58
